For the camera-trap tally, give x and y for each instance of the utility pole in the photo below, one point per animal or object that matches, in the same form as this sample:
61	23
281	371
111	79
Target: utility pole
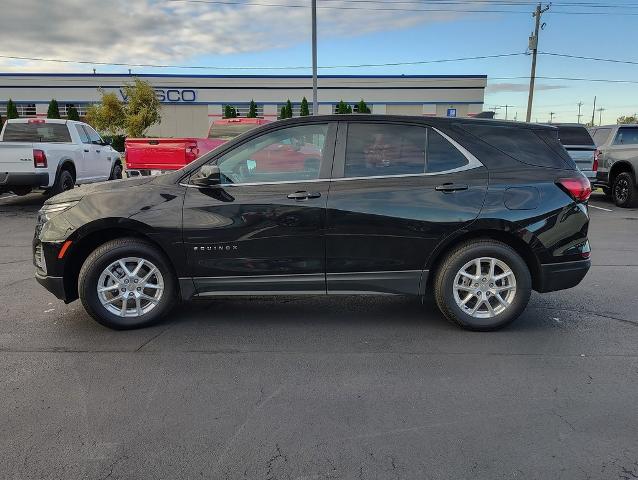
600	118
551	116
315	103
580	104
506	108
533	46
593	112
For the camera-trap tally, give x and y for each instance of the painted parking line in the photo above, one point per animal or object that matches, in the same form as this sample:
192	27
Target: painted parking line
601	208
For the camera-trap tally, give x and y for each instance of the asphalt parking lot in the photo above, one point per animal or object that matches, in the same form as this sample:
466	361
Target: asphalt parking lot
309	388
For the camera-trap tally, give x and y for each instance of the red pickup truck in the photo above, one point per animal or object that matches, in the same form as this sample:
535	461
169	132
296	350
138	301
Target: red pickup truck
151	156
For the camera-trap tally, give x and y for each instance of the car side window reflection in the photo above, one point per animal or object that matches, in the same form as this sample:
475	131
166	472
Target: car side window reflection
288	154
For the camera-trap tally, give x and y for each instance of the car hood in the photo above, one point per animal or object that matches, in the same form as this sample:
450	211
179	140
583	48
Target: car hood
113	185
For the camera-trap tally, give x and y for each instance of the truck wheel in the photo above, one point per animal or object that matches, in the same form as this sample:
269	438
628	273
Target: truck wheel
624	191
21	191
116	173
482	285
64	182
127	283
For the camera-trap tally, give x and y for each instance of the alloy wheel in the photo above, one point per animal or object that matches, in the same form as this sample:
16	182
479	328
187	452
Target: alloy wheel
621	190
484	287
130	287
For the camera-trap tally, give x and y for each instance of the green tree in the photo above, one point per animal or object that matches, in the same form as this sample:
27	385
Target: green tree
288	109
54	110
362	107
72	113
252	110
108	116
343	107
133	117
304	111
230	111
282	114
12	110
627	119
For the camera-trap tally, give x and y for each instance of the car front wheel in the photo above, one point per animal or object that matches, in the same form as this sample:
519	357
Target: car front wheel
482	285
127	283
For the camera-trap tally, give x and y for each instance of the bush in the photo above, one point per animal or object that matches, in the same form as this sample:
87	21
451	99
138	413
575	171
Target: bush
12	110
304	111
362	107
72	113
282	114
54	110
288	109
252	110
117	141
343	108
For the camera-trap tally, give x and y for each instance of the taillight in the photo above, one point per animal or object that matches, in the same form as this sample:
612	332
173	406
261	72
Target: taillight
39	158
594	167
577	187
36	120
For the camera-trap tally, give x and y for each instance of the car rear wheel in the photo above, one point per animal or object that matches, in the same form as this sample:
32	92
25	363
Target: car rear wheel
624	191
482	285
64	182
116	174
127	283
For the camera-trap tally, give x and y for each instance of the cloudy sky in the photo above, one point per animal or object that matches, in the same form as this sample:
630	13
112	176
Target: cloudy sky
274	34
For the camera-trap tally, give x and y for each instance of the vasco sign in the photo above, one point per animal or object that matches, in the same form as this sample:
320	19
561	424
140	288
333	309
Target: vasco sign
170	95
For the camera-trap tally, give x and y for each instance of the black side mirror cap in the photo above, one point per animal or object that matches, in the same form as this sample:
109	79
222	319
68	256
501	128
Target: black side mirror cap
208	176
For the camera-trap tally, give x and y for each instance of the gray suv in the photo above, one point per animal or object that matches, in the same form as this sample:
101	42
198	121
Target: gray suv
617	155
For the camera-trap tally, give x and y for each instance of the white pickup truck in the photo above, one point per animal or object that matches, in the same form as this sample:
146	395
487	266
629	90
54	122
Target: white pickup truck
53	155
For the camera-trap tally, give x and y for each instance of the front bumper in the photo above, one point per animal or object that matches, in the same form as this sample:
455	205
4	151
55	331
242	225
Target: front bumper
28	179
55	285
559	276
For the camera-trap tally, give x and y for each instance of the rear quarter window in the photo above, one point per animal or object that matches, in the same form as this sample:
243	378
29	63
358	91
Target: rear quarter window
36	132
574	135
533	147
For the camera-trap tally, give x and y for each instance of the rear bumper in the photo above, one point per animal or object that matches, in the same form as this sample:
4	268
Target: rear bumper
559	276
55	285
29	179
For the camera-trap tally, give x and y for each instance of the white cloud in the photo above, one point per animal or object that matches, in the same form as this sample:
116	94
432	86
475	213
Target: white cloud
150	31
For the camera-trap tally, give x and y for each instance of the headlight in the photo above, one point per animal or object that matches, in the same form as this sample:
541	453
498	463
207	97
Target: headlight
49	211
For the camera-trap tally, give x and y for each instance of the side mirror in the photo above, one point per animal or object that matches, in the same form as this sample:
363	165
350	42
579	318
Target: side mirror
208	176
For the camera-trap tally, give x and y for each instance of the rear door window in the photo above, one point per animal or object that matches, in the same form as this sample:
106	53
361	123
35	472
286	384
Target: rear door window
36	132
442	156
380	149
626	136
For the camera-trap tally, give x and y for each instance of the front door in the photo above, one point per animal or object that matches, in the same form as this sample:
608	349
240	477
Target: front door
398	189
99	167
262	229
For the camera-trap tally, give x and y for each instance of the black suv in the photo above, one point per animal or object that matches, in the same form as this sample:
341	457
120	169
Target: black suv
479	211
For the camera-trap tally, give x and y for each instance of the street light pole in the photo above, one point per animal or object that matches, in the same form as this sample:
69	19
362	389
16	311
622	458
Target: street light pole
315	103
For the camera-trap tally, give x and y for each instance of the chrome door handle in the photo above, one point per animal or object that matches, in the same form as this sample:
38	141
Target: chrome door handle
97	151
303	195
450	187
86	150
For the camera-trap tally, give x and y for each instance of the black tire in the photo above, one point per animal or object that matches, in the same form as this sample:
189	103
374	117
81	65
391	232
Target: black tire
624	191
116	173
460	256
65	181
104	256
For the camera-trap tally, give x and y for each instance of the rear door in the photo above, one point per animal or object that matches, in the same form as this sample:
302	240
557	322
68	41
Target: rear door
624	146
398	190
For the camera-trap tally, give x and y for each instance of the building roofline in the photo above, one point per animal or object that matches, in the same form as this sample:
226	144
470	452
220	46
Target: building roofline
172	75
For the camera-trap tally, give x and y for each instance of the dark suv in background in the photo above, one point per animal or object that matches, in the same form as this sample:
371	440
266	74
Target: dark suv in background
480	212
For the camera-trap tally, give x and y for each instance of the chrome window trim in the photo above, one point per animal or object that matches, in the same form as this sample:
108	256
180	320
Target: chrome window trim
473	163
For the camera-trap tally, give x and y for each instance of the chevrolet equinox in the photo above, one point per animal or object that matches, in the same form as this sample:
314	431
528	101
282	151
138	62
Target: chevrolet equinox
480	212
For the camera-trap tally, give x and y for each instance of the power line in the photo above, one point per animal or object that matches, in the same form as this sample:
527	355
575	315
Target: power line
290	67
386	9
581	57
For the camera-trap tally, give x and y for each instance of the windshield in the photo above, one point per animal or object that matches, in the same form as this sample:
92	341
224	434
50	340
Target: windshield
229	131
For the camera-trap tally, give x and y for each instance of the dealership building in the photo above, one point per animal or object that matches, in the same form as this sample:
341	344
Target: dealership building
191	102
